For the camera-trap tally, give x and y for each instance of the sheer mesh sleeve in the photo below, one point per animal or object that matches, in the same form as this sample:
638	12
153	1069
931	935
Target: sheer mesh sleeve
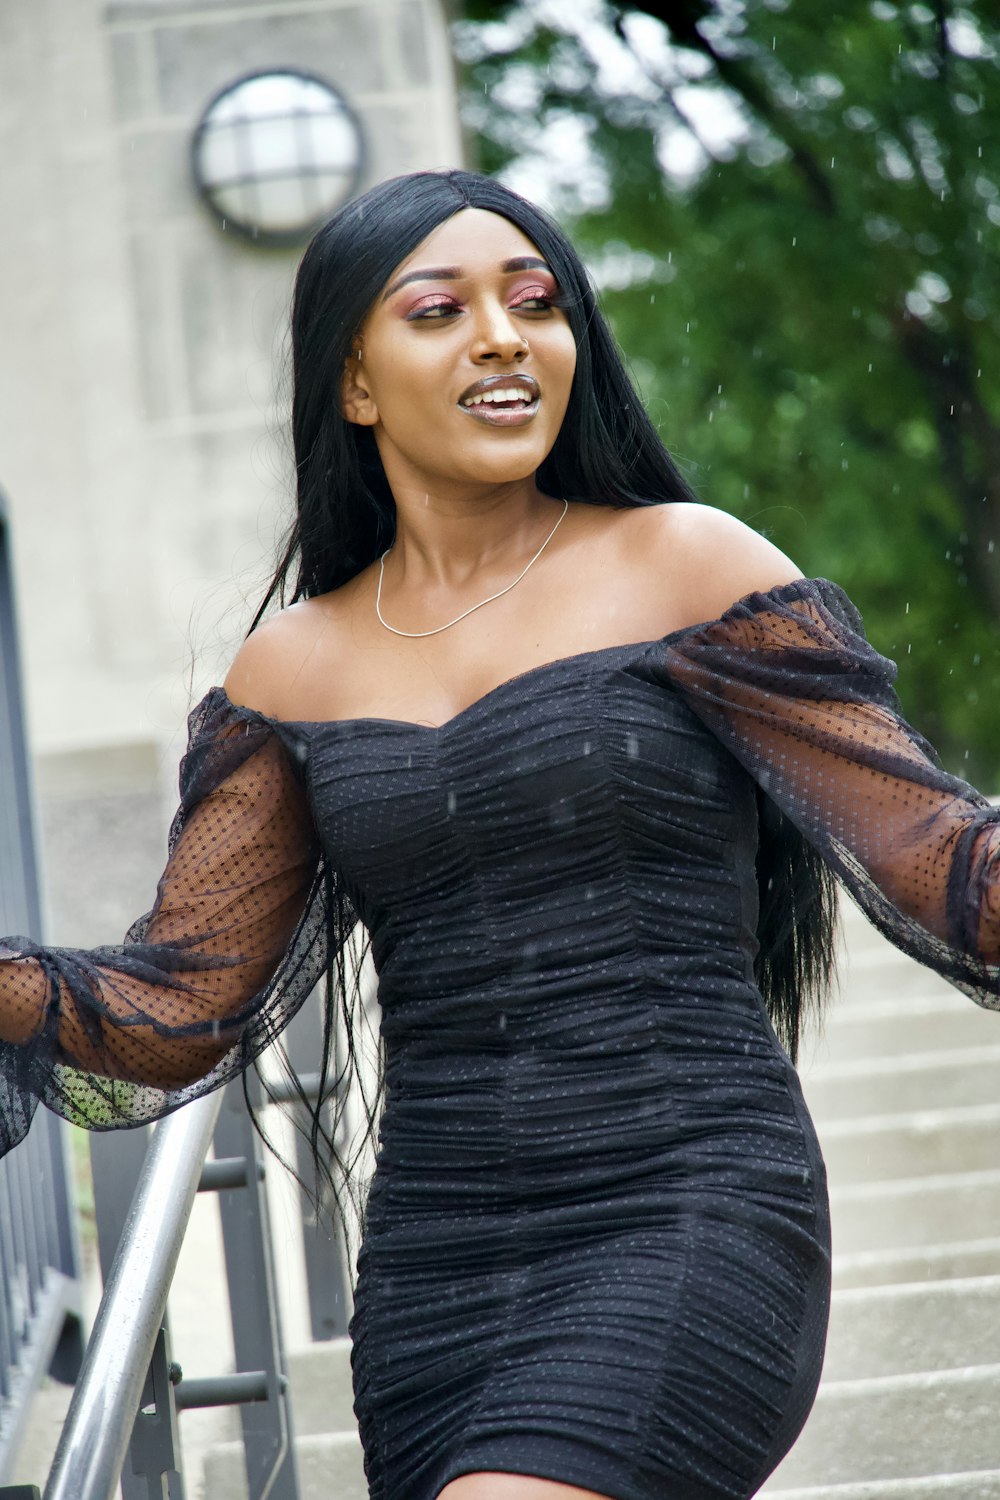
239	934
788	682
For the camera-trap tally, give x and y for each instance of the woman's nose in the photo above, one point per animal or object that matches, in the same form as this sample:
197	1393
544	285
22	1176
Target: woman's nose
498	338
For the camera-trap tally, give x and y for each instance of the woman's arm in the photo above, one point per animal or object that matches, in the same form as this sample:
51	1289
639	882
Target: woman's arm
786	679
236	939
166	1009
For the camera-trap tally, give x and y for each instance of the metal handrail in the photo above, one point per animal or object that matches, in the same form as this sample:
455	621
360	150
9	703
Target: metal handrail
41	1289
95	1436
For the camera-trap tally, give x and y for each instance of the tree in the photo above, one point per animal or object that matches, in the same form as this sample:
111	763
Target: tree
793	211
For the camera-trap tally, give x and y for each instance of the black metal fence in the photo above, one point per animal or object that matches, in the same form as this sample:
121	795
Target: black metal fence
40	1292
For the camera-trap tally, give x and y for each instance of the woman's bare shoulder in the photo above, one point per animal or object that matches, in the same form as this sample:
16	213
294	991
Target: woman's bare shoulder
272	659
706	557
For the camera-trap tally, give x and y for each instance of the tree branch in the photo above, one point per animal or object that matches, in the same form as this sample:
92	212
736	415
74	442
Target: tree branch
681	20
969	442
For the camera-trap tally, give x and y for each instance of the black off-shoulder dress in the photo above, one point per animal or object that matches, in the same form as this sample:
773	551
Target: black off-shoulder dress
597	1245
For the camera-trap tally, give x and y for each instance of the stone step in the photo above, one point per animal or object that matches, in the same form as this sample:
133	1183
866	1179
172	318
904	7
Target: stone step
914	1328
897	1427
926	1143
866	981
904	1084
874	969
930	1022
329	1464
984	1485
907	1212
320	1382
942	1261
863	948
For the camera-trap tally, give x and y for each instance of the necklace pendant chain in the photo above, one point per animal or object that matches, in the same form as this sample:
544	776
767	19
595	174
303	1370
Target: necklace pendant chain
413	634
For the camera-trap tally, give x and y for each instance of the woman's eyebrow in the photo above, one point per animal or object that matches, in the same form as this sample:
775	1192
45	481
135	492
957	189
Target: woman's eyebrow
454	273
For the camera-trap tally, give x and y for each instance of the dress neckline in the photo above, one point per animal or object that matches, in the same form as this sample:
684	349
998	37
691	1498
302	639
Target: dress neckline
753	600
575	659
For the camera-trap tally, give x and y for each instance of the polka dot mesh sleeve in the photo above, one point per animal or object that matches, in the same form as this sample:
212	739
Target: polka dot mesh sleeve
787	680
236	940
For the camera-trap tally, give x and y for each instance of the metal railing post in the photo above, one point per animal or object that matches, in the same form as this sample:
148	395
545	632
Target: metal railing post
268	1437
327	1276
117	1158
40	1286
99	1423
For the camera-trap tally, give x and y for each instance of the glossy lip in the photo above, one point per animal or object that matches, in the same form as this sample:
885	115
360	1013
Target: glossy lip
493	417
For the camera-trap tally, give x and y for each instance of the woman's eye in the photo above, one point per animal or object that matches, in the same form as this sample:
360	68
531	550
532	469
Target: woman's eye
536	302
431	311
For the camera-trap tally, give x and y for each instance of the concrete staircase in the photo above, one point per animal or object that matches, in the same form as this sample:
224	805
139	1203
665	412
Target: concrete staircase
905	1089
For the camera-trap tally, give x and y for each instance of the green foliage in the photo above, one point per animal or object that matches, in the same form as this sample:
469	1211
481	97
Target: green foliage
811	309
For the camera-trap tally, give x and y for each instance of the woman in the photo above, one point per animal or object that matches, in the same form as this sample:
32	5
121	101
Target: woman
515	722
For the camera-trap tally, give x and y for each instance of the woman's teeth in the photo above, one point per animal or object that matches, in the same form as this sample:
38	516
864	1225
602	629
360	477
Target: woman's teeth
503	396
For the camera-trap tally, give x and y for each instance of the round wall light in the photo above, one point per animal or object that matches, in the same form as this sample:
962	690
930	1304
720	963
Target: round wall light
276	153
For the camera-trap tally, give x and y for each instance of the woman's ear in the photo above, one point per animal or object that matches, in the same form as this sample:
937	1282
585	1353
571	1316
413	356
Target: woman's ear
356	401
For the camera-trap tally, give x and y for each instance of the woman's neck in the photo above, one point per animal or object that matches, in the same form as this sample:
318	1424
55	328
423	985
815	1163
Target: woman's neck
448	539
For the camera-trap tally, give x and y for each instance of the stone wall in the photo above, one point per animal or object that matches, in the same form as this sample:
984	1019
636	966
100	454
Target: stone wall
141	440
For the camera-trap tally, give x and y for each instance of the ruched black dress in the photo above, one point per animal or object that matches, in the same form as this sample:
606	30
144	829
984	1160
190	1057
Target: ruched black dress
597	1242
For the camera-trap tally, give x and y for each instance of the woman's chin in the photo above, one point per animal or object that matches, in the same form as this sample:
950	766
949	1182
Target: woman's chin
493	469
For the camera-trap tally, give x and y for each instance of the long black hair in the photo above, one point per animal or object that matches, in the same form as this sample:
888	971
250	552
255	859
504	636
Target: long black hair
607	453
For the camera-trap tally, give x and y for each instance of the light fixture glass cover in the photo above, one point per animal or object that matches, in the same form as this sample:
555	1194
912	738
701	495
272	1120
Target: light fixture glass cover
276	153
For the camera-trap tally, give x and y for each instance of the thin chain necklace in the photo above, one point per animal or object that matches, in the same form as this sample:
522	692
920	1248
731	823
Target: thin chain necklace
438	628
